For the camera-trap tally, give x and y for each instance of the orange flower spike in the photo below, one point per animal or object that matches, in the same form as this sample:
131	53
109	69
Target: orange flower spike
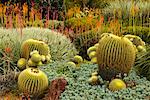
102	19
8	50
25	9
1	9
70	13
4	9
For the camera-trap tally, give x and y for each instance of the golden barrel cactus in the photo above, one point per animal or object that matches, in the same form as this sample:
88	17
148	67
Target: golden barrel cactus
116	54
32	81
117	84
30	45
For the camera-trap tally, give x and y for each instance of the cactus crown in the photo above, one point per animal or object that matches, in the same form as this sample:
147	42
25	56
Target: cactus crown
30	44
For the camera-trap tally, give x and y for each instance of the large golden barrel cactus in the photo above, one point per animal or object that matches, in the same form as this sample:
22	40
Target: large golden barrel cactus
32	81
116	54
30	45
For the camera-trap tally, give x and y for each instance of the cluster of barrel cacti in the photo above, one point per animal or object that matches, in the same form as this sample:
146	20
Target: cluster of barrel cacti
94	80
34	53
138	42
92	53
76	61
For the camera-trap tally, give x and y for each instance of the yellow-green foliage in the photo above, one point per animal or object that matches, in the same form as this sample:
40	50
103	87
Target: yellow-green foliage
31	45
115	52
32	81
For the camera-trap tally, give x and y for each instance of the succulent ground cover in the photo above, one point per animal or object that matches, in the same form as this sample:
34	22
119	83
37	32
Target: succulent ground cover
78	87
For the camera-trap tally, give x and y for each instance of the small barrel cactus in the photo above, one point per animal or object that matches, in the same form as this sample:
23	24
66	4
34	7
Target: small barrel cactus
32	81
78	59
117	84
21	64
116	54
30	45
93	80
92	53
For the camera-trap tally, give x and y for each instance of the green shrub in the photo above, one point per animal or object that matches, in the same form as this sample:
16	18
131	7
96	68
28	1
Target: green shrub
85	40
10	39
81	23
87	3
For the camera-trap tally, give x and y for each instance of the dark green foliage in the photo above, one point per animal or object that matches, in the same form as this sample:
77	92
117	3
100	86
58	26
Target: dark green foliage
85	40
142	32
142	63
98	3
87	3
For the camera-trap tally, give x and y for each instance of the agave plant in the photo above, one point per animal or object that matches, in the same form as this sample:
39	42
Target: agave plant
142	63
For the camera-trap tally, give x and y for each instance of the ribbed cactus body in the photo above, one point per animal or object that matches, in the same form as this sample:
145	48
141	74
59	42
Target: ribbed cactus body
32	81
31	45
117	53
